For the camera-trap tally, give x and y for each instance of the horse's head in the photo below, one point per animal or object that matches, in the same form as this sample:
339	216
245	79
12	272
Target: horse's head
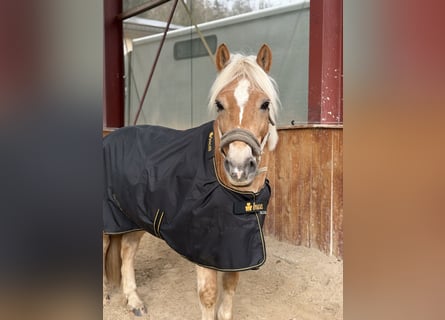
246	101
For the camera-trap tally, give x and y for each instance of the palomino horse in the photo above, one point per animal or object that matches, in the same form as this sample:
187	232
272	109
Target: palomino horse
209	197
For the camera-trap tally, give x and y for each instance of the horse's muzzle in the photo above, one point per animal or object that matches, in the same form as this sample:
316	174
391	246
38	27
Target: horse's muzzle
242	157
240	173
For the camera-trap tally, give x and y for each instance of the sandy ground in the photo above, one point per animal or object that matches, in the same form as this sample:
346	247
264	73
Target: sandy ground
295	283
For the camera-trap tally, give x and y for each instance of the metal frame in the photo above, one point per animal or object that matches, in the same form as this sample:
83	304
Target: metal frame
325	100
114	104
113	111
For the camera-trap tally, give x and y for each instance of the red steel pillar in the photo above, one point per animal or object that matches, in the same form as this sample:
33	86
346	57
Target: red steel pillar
325	100
113	111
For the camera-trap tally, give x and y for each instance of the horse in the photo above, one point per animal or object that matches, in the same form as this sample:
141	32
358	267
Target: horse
222	205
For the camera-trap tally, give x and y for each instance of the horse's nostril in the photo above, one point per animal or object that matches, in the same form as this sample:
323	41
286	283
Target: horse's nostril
251	165
227	165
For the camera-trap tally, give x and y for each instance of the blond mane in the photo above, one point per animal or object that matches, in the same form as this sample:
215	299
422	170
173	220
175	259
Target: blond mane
239	67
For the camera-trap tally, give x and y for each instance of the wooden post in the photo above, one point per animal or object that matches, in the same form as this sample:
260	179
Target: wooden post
113	111
325	101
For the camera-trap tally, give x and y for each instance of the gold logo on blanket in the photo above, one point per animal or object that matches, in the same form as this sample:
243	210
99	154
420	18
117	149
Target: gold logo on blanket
253	207
209	146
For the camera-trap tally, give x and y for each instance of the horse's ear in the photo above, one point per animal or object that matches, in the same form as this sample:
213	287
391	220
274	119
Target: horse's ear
222	56
264	57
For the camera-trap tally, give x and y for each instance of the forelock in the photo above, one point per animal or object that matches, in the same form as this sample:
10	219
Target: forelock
240	67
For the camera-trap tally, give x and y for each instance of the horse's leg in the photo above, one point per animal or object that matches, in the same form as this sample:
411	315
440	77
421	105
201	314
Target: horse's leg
229	282
207	292
130	243
105	244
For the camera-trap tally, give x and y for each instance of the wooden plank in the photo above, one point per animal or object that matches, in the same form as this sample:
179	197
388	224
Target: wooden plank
289	213
316	195
269	224
337	229
282	196
294	221
304	182
325	189
279	194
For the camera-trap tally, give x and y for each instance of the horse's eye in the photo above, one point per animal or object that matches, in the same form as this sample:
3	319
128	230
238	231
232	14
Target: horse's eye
265	105
219	106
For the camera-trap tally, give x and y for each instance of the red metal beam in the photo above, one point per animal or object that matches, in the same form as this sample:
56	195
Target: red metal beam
325	100
113	112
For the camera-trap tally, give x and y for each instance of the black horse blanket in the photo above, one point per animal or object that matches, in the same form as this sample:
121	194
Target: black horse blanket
164	181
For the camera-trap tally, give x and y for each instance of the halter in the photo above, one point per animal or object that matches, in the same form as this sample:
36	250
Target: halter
239	134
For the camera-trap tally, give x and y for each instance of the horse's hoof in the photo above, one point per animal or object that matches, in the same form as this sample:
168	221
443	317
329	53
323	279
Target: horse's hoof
139	311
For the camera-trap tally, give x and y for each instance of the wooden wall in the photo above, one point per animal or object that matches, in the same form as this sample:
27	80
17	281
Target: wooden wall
306	176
